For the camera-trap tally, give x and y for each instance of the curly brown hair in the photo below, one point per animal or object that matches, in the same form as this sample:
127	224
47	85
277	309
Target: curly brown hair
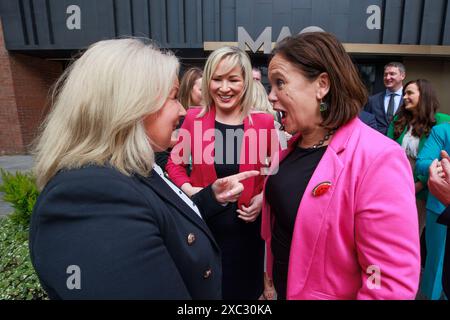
424	119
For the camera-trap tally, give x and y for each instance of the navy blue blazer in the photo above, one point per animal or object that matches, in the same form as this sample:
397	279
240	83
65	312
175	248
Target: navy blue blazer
375	106
131	237
368	119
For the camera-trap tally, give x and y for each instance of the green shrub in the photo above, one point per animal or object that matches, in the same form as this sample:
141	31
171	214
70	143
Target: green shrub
18	279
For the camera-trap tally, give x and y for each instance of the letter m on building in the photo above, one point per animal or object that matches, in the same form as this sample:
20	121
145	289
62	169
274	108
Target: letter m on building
264	40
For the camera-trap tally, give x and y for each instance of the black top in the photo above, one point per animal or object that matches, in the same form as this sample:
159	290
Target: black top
227	147
240	242
132	237
283	193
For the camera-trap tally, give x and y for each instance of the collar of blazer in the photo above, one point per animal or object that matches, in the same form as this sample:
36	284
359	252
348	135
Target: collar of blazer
160	187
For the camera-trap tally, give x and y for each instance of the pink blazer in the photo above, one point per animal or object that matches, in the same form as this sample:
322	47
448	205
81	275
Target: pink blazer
200	141
365	225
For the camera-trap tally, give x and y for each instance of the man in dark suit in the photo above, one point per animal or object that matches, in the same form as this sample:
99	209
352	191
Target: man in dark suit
439	186
385	105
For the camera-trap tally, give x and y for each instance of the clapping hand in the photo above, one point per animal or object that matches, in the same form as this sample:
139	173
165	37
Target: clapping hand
439	181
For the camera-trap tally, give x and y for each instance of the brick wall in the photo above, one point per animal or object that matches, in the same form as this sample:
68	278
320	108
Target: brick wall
24	90
10	133
33	78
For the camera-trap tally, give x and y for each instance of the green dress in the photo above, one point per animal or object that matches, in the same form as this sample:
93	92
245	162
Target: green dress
440	118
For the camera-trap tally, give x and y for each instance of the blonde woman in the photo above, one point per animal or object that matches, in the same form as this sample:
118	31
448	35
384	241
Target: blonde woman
228	95
108	224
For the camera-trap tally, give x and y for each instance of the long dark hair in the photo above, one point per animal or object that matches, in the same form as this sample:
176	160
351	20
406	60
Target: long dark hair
424	119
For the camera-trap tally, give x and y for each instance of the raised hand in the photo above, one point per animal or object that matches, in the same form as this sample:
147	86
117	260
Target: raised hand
439	181
229	189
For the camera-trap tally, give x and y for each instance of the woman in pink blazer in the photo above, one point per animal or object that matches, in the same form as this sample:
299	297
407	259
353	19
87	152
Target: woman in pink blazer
339	216
223	138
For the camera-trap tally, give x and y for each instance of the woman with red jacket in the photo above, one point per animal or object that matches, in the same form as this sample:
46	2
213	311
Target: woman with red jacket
223	138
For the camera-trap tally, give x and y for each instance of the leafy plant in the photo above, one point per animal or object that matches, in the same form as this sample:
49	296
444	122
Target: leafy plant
21	191
18	279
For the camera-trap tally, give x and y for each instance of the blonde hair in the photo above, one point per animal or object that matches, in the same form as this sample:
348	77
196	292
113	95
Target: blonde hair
186	85
99	105
261	101
233	57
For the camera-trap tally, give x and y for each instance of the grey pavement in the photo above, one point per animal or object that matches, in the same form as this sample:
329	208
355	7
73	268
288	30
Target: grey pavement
12	164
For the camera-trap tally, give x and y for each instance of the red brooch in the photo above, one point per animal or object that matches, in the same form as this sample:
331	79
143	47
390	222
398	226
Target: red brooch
321	188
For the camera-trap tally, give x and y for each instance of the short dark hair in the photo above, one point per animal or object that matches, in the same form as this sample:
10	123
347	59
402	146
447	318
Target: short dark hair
398	65
314	53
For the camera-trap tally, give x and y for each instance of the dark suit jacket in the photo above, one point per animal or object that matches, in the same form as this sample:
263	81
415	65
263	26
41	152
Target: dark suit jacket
375	106
444	218
128	235
368	119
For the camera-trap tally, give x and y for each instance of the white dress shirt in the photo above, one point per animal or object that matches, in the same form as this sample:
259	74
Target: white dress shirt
177	190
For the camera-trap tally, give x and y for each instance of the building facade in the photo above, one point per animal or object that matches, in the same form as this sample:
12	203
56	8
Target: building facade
39	37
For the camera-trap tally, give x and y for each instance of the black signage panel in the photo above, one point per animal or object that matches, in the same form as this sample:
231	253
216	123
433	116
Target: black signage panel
75	24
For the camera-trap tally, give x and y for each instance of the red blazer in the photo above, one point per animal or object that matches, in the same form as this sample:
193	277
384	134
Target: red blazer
196	139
